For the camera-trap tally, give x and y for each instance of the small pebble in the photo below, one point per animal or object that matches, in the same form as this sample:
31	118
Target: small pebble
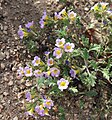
2	55
15	118
86	9
5	93
2	66
10	83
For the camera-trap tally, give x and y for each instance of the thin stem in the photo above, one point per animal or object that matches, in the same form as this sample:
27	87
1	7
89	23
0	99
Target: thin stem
86	64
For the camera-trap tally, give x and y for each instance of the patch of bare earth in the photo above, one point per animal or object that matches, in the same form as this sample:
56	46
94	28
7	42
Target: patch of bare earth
13	53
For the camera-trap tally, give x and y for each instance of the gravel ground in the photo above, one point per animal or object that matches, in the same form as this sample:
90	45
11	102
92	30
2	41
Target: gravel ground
13	53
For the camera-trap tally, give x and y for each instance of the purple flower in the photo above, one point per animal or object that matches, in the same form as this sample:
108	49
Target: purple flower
60	42
57	16
41	111
73	73
28	71
30	112
54	72
20	32
67	62
36	61
48	103
109	12
62	84
38	73
47	53
42	22
63	12
50	62
46	74
69	47
57	52
28	96
20	71
72	15
44	15
29	24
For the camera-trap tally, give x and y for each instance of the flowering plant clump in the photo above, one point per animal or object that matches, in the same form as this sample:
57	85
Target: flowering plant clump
76	56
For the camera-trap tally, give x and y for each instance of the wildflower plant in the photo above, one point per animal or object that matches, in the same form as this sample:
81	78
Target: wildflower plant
73	57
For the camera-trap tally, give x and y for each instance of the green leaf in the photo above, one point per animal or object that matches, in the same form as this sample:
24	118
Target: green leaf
62	32
91	80
54	90
61	113
50	82
93	64
85	54
85	40
95	47
81	103
40	82
73	89
106	73
76	52
91	93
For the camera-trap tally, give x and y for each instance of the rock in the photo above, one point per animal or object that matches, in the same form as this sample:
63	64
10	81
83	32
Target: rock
6	79
28	83
10	83
15	118
1	107
1	26
0	115
5	32
86	8
2	55
2	66
5	28
7	55
14	69
1	97
26	2
5	93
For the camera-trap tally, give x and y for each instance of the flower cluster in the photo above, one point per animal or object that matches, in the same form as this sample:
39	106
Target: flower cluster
42	109
42	21
59	68
71	15
37	69
23	32
99	7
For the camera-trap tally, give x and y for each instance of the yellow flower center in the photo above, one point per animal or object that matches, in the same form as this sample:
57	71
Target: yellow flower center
28	71
46	112
68	47
55	71
51	62
58	52
37	61
71	15
48	103
48	72
46	18
39	72
60	43
41	107
63	83
103	6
